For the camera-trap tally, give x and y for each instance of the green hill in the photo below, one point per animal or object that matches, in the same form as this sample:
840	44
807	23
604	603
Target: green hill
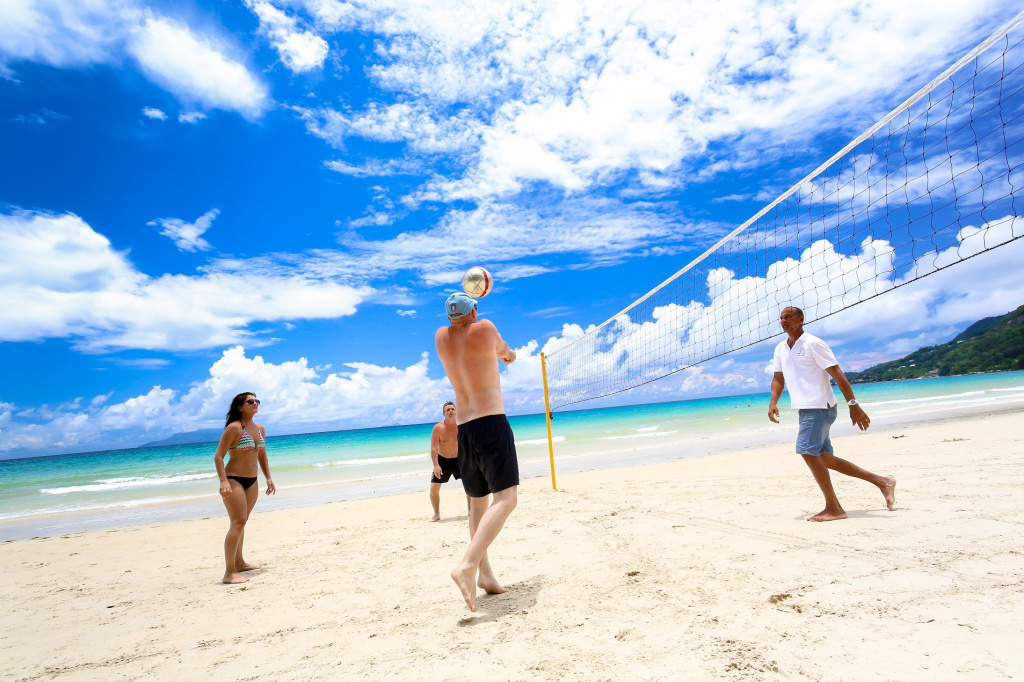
990	345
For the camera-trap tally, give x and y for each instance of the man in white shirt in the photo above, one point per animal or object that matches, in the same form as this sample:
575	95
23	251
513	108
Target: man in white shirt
803	362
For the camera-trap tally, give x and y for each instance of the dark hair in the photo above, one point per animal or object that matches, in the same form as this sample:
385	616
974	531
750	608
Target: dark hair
446	405
235	411
798	311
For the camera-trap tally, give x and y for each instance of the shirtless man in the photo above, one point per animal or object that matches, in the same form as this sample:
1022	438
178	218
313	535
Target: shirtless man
444	453
468	349
803	363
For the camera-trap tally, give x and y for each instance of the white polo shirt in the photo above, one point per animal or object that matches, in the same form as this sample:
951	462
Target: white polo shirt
803	367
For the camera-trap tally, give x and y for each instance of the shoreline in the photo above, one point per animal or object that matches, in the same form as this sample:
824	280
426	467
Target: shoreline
624	454
702	565
533	415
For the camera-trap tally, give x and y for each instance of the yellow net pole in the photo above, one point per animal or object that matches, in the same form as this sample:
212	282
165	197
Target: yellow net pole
547	416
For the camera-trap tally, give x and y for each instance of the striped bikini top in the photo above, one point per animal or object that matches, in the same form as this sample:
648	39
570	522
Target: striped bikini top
246	442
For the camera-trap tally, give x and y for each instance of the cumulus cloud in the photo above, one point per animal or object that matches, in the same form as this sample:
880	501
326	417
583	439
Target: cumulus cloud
513	104
187	236
300	50
296	398
59	278
152	112
196	67
594	93
65	34
853	295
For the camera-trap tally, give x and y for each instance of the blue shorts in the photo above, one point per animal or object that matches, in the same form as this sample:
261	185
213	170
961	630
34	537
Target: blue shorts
812	439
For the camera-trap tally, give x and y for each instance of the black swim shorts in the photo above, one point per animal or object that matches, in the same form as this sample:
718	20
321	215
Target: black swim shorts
449	468
487	455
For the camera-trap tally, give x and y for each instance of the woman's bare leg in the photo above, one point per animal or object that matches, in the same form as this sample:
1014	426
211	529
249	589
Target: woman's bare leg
250	501
238	513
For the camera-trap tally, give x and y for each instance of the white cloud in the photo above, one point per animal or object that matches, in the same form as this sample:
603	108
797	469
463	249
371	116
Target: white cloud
187	236
406	313
152	112
598	231
576	96
61	279
585	93
665	334
295	396
376	168
64	34
191	117
142	363
376	218
300	50
196	67
761	197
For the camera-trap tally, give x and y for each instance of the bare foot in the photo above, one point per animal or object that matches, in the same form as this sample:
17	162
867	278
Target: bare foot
828	515
234	578
435	517
889	491
466	581
246	566
490	584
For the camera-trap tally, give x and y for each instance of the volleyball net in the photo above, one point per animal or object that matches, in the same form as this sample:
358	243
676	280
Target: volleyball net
937	181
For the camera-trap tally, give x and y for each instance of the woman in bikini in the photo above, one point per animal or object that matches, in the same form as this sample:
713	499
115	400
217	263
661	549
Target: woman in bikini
245	441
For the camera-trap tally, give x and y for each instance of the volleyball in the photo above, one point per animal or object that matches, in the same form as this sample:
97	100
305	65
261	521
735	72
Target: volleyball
477	282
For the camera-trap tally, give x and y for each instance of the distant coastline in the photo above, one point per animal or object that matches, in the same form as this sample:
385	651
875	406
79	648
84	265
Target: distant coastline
992	344
187	438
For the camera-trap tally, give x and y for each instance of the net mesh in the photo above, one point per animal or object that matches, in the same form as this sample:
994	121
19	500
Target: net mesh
937	181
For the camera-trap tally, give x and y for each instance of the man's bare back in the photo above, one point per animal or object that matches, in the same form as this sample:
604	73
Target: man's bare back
467	350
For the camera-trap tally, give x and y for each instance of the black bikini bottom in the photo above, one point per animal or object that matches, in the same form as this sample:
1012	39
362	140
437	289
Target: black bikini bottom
245	481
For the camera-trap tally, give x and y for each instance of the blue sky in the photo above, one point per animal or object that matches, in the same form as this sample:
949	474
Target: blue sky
202	198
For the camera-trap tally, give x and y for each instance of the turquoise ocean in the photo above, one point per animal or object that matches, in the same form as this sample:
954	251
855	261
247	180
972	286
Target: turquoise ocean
47	496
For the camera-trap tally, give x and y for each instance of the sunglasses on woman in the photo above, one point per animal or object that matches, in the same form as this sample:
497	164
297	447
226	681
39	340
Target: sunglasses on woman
252	401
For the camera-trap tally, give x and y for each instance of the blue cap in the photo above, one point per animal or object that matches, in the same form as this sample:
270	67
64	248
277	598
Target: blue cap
459	305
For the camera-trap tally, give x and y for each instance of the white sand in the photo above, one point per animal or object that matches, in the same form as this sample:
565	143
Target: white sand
690	570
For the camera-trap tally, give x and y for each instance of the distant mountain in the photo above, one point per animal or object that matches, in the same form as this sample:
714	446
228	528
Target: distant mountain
993	344
200	436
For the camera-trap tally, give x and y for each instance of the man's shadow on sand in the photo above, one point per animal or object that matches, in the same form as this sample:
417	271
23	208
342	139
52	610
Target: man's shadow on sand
521	596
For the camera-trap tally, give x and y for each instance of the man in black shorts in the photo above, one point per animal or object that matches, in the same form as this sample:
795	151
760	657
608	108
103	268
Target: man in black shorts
469	350
444	454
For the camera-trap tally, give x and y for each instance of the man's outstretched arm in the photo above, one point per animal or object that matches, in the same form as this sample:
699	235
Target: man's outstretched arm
503	350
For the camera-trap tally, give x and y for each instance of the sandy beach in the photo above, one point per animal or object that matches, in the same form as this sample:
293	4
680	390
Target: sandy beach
692	569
